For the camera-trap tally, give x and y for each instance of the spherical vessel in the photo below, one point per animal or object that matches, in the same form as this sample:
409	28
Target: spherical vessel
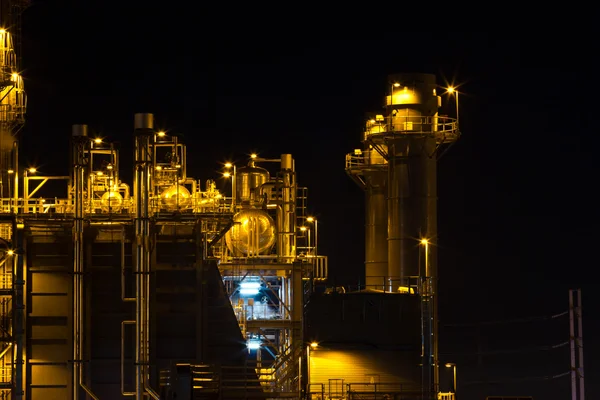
175	197
111	202
248	180
252	233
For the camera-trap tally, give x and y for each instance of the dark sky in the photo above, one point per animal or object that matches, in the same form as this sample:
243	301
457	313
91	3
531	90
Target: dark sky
518	211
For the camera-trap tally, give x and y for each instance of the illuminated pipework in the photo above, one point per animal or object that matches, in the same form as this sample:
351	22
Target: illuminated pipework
263	269
13	103
268	203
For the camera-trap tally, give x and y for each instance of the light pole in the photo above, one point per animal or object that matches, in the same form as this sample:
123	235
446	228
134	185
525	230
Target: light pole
307	230
228	174
452	90
31	170
453	366
425	243
315	222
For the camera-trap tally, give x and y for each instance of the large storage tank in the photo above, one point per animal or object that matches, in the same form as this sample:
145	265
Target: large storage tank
253	233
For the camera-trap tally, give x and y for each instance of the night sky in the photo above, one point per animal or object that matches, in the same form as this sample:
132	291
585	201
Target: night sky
518	210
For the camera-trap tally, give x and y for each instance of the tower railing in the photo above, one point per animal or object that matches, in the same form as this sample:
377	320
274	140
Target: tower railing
407	285
442	127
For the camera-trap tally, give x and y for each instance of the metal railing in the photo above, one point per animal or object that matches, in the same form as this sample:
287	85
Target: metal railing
412	285
58	206
381	391
371	391
441	127
5	373
6	279
447	396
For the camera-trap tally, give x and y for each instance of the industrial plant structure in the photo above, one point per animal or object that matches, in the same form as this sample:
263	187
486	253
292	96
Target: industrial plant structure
173	289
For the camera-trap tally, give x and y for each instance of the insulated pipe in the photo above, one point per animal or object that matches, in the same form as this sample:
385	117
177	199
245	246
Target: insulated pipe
287	213
80	141
16	176
18	311
143	131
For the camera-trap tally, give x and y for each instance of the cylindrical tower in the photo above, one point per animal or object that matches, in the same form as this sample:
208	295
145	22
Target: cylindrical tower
397	170
411	122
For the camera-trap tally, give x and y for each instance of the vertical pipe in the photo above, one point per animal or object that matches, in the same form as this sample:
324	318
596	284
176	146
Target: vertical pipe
572	342
16	176
143	127
79	138
580	345
297	300
18	307
144	131
288	206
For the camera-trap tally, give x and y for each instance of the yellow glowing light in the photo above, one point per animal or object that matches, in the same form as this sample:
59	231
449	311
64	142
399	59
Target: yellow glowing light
228	165
396	84
310	219
158	167
14	76
97	140
314	345
161	133
2	31
450	365
424	242
10	171
253	155
100	173
32	170
109	167
451	90
178	166
303	228
20	226
10	252
226	174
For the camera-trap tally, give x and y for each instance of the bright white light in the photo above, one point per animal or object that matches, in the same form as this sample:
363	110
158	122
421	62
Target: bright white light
253	344
249	288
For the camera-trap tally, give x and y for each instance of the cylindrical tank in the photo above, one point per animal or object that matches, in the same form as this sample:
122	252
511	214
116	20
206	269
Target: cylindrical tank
111	202
175	197
252	234
247	181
